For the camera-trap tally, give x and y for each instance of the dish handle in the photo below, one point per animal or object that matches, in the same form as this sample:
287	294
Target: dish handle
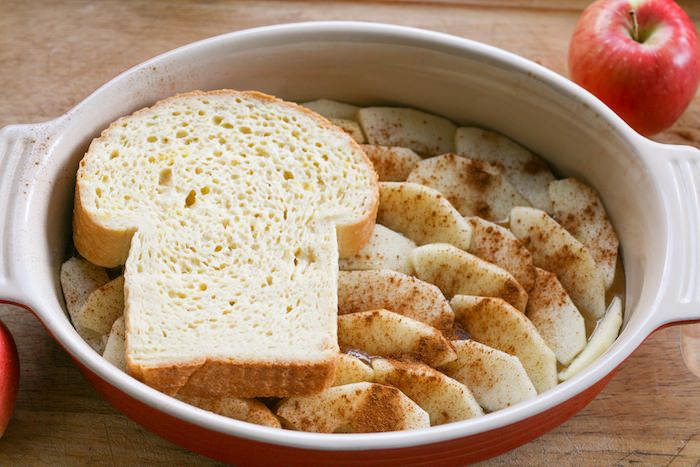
18	148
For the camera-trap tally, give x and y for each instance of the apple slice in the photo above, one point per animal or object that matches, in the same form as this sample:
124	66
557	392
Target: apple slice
528	173
579	210
457	272
392	164
393	291
495	323
102	307
556	250
115	349
385	249
496	244
496	379
353	408
421	214
381	332
556	317
333	109
350	127
445	399
426	134
475	188
602	338
247	410
351	369
9	376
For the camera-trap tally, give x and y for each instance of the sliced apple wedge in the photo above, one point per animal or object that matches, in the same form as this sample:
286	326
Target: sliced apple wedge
387	334
421	214
351	369
579	210
247	410
350	127
496	244
602	338
333	109
556	250
392	164
528	173
426	134
495	323
115	349
457	272
556	317
353	408
393	291
445	399
102	307
475	188
385	249
496	379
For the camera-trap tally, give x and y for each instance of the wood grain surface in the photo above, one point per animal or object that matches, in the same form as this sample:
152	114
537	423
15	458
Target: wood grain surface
53	54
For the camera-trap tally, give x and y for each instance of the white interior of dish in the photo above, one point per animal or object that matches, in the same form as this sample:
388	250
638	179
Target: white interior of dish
369	64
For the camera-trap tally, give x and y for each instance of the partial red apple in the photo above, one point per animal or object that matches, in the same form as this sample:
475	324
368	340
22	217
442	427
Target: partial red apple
9	376
640	57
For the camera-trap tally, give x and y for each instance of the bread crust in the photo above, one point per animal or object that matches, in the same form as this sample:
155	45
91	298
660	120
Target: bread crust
109	247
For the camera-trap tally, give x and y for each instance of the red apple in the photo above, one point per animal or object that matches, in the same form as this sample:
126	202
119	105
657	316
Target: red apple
9	376
640	57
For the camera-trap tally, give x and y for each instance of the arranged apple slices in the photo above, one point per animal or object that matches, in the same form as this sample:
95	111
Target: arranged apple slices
602	338
556	250
495	323
475	188
351	369
496	244
457	272
579	210
496	379
421	214
444	399
529	174
247	410
556	317
350	127
426	134
115	349
387	334
385	249
353	408
333	109
393	291
102	307
392	163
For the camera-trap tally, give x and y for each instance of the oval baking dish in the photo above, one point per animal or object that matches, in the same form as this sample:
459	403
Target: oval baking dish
651	191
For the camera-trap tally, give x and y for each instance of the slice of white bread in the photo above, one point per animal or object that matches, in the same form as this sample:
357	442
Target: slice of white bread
496	379
498	245
393	291
474	187
351	369
232	209
409	128
555	250
422	214
79	278
445	399
392	163
353	408
247	410
556	317
457	272
385	249
387	334
579	210
528	173
495	323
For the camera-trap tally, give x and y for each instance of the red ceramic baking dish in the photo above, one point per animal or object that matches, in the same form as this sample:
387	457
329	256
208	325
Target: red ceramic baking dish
651	191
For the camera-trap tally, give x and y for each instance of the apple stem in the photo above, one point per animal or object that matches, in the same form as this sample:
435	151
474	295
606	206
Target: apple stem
635	25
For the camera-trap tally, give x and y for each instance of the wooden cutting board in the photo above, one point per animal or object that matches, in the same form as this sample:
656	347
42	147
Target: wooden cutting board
53	54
